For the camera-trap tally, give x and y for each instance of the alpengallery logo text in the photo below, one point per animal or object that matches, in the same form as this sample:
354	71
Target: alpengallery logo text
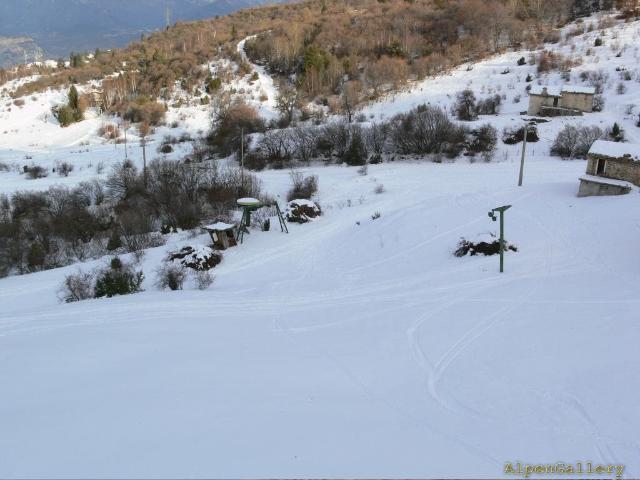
525	470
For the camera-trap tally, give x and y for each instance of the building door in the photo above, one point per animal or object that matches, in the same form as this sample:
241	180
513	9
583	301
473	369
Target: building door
555	101
601	165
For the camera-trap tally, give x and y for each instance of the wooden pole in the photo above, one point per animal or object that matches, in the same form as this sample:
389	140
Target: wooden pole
242	159
144	161
524	148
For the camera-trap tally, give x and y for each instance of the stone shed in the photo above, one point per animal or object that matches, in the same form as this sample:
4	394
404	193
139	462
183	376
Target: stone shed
554	101
612	169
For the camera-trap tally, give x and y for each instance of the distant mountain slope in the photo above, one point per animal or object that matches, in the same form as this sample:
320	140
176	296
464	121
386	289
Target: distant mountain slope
15	50
61	26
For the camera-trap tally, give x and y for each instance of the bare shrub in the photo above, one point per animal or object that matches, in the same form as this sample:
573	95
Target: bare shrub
231	119
426	130
598	103
203	280
143	111
135	227
110	131
513	135
303	187
333	139
303	141
165	148
170	275
484	141
596	78
549	61
64	169
575	141
274	148
376	139
356	153
34	172
465	107
77	287
490	105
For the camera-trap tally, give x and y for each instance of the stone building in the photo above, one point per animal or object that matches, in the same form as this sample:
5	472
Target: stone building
612	169
556	101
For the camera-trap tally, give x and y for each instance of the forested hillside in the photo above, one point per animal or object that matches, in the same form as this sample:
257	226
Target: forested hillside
325	47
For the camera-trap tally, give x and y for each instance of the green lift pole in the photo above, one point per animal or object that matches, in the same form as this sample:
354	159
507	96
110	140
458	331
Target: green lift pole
492	215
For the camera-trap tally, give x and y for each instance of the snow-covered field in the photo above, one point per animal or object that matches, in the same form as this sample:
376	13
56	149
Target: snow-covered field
352	347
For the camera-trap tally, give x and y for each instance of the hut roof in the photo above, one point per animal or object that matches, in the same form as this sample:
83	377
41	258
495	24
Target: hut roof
557	91
605	148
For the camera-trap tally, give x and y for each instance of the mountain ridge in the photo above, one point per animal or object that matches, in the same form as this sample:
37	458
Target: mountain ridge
59	27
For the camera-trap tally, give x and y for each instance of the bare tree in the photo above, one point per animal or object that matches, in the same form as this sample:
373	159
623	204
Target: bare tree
144	131
349	99
287	101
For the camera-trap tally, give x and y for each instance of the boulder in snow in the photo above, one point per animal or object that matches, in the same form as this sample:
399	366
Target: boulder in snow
199	258
487	244
302	211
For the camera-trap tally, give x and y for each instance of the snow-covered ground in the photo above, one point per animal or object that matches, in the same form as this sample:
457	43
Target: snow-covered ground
352	347
264	86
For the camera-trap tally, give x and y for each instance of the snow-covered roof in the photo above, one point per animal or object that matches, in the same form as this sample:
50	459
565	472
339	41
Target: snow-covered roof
606	181
248	201
557	91
219	226
615	149
303	202
554	91
578	89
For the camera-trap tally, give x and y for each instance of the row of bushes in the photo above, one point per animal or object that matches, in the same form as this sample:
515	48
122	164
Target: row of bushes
121	278
425	130
467	108
124	213
575	141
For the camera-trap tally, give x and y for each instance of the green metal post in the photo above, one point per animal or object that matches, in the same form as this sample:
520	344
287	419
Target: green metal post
492	215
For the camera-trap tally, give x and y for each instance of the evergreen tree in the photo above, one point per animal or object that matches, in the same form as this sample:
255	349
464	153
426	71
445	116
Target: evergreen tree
73	98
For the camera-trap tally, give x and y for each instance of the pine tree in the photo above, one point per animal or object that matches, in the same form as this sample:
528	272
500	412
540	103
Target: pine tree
73	98
616	129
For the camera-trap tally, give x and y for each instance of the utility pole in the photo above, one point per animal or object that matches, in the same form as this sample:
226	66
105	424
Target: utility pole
524	148
242	159
126	157
492	215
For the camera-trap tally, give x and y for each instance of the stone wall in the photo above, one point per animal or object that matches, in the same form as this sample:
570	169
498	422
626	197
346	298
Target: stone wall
570	101
590	188
616	168
577	101
536	102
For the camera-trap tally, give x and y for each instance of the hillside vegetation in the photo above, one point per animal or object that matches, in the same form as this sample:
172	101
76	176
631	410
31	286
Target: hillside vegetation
327	48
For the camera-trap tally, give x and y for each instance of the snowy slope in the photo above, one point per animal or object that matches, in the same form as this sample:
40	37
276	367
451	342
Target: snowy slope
342	341
501	75
354	347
